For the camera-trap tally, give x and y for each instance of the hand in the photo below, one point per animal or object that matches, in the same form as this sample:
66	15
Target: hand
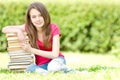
21	37
26	47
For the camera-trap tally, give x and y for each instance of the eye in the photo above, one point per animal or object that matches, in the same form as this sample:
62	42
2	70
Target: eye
39	15
33	16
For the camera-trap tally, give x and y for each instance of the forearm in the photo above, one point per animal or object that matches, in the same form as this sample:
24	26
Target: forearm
15	29
47	54
10	29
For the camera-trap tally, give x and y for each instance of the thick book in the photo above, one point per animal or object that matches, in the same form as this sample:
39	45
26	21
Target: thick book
14	34
18	70
17	66
14	44
20	63
20	56
19	53
21	59
14	49
15	38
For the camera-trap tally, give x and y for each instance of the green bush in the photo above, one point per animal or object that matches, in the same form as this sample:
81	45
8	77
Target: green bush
84	26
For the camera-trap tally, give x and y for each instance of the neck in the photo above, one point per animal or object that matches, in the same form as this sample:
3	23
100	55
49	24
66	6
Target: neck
39	30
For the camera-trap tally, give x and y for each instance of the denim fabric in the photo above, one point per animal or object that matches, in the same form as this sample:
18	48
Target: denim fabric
56	64
32	68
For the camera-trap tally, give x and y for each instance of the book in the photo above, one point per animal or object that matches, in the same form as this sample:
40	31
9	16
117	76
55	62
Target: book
17	66
18	70
14	34
14	49
20	63
15	38
22	60
14	44
15	41
19	59
19	54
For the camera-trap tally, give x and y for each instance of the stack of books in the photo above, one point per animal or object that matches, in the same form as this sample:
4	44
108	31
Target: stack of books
19	59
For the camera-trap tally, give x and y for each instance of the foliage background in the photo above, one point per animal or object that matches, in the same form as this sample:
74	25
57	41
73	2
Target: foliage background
86	26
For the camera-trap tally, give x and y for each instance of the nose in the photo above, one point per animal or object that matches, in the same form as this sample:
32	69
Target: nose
37	18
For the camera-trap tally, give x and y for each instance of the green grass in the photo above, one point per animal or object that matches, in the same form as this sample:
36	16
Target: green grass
91	67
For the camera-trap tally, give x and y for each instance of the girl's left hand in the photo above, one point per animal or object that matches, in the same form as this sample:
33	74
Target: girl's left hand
26	47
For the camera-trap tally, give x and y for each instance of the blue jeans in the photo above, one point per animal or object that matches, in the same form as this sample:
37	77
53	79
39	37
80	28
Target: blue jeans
57	64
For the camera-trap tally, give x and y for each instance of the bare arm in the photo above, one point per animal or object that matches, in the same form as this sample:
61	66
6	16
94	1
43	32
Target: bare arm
19	29
16	28
48	54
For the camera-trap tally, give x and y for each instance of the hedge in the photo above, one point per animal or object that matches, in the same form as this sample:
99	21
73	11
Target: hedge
86	27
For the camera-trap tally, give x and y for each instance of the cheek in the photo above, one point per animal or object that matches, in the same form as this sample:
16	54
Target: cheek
42	19
32	20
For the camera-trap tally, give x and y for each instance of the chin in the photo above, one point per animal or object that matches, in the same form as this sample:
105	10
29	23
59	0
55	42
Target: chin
39	26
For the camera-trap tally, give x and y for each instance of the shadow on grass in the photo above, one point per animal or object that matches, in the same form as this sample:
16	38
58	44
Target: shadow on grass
7	71
94	68
97	68
4	70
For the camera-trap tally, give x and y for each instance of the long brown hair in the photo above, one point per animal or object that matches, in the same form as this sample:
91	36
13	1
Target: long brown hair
32	31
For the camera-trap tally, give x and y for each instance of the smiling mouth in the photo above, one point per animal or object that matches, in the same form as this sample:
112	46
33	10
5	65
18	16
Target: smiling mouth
38	23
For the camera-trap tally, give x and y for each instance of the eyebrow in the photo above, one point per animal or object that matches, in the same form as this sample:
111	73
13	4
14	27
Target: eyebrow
35	14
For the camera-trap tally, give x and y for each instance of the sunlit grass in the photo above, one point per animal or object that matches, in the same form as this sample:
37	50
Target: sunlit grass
91	67
4	59
88	60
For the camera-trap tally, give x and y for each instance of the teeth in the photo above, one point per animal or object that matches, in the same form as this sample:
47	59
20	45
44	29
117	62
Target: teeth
38	23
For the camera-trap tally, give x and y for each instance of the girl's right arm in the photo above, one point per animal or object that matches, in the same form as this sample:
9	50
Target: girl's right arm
16	29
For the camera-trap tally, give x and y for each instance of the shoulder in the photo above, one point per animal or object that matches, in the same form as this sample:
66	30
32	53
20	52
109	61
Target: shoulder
54	29
54	26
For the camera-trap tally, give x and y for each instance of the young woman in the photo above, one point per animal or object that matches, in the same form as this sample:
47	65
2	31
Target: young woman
44	39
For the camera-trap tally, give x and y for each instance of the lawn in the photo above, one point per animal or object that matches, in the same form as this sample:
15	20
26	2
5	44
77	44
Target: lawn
91	67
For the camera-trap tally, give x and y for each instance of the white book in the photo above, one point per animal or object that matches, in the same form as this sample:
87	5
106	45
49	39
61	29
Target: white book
20	63
21	59
14	34
21	56
17	66
15	38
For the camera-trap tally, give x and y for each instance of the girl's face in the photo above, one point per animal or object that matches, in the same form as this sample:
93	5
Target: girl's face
36	18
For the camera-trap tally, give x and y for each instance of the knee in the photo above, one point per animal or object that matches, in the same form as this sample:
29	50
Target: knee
55	65
31	68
